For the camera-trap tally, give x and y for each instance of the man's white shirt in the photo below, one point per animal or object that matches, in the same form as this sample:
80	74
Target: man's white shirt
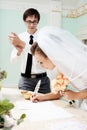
36	68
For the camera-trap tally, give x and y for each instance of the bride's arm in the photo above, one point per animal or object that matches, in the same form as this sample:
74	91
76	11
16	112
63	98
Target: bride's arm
45	97
70	95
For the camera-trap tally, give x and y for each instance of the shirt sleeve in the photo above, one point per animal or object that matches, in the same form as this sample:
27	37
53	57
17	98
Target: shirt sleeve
14	58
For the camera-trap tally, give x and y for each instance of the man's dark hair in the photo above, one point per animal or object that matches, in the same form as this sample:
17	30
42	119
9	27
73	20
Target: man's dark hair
30	12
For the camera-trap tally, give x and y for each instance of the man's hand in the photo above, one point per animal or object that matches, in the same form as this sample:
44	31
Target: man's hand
16	42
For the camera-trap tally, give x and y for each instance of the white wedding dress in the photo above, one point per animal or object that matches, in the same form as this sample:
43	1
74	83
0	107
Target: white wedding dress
68	53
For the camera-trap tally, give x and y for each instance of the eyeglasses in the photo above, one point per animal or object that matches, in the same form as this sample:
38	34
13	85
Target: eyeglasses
31	22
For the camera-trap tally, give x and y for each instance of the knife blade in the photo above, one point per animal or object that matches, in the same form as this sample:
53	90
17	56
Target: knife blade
37	87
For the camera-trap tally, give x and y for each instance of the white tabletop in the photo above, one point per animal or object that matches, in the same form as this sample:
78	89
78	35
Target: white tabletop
48	115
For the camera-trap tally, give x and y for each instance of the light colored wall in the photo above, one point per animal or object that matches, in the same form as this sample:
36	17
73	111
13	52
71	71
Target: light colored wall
70	24
10	20
75	25
82	21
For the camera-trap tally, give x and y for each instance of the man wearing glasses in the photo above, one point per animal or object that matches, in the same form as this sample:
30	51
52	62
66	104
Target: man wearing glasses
31	71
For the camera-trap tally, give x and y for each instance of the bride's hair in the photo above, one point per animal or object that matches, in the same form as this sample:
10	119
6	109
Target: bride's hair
35	48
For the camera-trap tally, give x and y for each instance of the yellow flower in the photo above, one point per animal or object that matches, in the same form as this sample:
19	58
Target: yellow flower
60	83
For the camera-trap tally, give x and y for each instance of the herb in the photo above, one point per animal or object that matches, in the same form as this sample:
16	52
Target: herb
3	74
5	106
21	119
5	115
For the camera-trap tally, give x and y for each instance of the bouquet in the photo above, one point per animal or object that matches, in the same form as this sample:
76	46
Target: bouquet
60	83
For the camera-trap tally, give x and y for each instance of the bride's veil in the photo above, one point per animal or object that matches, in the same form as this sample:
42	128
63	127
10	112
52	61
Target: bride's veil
67	52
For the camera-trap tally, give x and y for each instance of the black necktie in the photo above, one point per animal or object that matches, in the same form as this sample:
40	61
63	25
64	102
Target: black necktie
31	40
29	60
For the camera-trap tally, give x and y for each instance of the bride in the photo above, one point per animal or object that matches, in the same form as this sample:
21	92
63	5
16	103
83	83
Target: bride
59	48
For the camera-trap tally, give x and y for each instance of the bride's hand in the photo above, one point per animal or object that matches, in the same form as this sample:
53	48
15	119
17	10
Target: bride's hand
69	94
36	98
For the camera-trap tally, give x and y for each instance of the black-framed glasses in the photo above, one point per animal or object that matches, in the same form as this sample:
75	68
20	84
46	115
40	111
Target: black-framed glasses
31	22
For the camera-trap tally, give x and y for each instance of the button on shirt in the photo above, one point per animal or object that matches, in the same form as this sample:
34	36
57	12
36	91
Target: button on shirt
36	68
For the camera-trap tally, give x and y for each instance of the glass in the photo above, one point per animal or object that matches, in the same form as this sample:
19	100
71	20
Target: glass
31	22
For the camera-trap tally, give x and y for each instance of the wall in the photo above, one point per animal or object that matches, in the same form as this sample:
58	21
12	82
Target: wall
70	24
10	20
82	29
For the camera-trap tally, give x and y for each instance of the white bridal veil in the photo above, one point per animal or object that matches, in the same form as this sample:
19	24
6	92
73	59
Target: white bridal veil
67	52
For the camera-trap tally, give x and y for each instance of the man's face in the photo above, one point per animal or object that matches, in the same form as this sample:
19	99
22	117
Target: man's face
31	24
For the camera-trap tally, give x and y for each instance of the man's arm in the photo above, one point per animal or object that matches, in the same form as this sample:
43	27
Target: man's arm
16	42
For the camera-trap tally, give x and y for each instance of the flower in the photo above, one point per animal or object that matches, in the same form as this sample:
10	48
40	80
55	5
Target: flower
60	83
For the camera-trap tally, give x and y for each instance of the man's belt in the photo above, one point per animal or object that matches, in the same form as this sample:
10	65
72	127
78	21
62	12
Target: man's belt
35	75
